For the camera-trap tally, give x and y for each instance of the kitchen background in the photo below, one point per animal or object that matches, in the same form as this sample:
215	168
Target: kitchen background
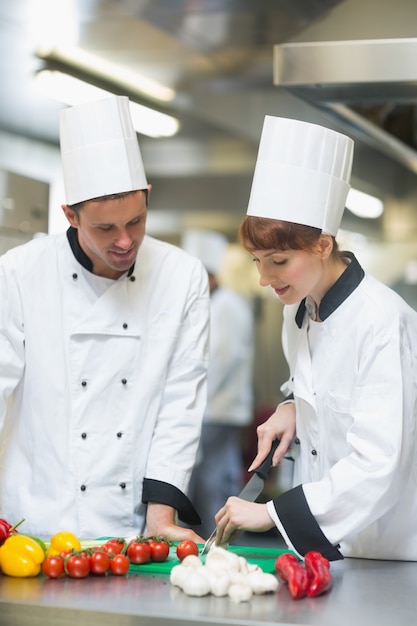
216	68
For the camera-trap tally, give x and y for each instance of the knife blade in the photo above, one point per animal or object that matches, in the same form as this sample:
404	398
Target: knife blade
251	490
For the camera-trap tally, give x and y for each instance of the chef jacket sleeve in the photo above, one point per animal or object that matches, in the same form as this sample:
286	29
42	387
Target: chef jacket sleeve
12	352
178	427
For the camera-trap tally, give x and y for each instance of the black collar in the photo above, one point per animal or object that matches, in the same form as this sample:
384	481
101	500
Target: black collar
80	255
342	288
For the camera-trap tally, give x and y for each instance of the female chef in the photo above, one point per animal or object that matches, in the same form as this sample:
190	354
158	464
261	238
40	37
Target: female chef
103	352
349	416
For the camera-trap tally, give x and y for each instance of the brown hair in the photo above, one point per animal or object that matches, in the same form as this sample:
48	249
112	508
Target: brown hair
114	196
262	233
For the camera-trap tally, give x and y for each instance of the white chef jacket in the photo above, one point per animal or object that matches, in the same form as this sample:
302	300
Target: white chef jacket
106	381
230	374
354	383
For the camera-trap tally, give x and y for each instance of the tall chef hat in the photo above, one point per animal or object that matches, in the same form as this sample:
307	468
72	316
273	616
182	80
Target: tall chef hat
302	174
99	150
206	245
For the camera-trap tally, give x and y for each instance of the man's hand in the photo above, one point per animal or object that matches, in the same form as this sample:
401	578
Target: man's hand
160	521
281	425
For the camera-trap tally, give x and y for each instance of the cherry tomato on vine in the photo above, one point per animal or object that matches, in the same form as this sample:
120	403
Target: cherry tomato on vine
139	552
159	550
186	547
65	553
99	562
119	565
77	566
114	546
53	566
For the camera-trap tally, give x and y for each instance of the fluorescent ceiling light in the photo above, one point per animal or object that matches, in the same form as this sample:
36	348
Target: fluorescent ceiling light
70	90
364	205
78	59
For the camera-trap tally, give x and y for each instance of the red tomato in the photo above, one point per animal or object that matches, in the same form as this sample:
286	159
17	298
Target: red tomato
99	562
119	565
159	550
65	553
139	552
77	566
53	566
116	545
186	547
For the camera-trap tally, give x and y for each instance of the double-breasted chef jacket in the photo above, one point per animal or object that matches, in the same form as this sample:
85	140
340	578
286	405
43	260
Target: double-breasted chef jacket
102	386
353	377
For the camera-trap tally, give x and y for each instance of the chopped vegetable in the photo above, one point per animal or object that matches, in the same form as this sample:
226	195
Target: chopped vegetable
224	574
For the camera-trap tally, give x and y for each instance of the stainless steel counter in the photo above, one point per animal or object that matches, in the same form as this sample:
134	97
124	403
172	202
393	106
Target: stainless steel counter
364	593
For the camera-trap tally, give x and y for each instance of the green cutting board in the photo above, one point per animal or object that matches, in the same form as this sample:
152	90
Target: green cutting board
263	557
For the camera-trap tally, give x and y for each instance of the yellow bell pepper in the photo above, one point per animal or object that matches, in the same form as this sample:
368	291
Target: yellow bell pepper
62	541
21	556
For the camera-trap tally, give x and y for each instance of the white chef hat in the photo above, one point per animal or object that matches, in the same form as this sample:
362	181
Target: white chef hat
302	174
207	245
99	150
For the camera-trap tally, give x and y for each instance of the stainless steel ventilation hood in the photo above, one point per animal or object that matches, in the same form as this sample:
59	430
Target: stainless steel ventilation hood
364	83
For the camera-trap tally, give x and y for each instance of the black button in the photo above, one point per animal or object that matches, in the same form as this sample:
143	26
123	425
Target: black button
75	276
119	434
83	487
314	452
125	325
124	381
84	383
84	435
132	279
297	441
123	485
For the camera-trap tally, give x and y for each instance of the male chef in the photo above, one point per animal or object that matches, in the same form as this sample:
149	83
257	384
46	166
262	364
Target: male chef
103	352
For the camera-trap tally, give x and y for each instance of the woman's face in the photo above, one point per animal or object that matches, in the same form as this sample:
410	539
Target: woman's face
292	274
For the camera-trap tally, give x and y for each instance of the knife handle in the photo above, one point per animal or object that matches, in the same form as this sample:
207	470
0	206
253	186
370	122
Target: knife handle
265	467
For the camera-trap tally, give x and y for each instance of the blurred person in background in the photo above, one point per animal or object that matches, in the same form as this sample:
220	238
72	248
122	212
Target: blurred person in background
219	471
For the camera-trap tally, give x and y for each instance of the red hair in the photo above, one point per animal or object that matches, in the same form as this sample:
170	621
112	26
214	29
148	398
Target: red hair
263	233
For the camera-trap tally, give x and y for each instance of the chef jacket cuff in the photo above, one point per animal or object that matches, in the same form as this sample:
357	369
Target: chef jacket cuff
164	493
287	400
299	527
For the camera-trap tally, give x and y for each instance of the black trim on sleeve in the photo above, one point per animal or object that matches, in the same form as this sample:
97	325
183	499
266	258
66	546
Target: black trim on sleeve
301	526
164	493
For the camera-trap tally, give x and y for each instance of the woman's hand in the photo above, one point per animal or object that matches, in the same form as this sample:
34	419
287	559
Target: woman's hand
281	425
238	515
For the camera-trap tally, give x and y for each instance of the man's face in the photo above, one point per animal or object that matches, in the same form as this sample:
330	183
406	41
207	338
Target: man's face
110	232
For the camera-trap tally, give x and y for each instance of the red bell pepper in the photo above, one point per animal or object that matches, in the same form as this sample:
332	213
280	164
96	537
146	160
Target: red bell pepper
291	571
7	529
319	568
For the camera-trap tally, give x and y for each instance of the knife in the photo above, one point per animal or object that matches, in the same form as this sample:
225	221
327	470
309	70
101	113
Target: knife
251	490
